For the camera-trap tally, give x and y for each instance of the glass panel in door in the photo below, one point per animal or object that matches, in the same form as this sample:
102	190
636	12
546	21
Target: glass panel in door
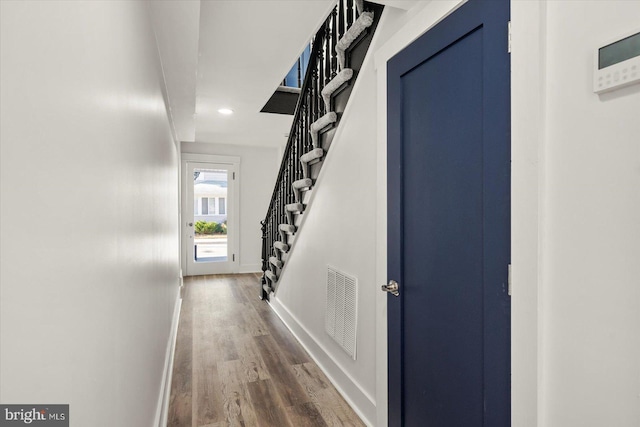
210	222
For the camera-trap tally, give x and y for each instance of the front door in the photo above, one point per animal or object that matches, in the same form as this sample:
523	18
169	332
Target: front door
210	224
449	222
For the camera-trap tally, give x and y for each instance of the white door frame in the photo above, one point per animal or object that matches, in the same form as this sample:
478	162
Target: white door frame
233	222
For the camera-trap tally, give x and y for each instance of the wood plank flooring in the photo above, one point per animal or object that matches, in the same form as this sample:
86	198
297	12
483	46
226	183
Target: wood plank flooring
236	364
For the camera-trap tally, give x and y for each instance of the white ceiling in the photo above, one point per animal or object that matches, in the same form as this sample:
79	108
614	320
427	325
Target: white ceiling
231	53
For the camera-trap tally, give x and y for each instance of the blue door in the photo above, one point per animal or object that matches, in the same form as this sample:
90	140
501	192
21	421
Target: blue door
449	222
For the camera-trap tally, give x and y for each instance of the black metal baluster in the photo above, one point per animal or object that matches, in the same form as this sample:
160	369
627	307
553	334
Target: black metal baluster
327	54
290	176
284	184
313	113
313	90
304	122
289	180
280	207
300	138
264	257
271	241
294	162
334	41
301	151
350	7
341	19
320	83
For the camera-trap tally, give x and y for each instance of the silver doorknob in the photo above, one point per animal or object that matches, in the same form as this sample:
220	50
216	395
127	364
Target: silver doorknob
392	288
190	224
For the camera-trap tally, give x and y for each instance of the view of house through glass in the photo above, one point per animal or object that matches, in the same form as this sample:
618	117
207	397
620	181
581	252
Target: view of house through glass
210	215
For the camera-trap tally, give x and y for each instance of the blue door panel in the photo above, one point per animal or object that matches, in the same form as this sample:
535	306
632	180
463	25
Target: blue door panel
442	148
448	223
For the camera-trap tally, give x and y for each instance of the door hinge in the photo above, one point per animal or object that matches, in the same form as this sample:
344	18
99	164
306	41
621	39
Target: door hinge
509	281
509	37
233	257
234	176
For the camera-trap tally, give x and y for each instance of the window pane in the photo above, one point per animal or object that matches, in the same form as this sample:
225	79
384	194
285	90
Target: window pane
222	208
212	205
205	206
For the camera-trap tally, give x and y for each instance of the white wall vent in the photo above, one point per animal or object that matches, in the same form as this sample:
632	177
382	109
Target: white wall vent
342	309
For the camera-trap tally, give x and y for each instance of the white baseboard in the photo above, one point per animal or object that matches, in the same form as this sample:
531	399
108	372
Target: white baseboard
361	402
251	268
162	409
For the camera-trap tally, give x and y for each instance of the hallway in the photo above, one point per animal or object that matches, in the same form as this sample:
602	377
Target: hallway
237	364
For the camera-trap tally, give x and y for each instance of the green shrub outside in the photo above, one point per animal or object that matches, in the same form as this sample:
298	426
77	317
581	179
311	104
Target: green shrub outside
204	227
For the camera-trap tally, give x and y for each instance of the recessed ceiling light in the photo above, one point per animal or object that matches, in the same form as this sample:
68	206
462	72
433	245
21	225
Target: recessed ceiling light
225	111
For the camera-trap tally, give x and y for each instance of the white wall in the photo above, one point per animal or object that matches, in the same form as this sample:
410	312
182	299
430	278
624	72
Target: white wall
591	246
575	210
87	295
258	169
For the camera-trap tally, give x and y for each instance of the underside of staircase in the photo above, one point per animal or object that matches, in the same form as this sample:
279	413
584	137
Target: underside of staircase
338	52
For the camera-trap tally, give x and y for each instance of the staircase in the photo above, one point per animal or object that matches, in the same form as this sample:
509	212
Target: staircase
338	51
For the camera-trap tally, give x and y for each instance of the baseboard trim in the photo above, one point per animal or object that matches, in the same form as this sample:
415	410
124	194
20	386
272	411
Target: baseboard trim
361	402
162	409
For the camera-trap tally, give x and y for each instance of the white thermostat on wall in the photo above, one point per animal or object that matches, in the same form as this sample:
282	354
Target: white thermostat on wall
617	64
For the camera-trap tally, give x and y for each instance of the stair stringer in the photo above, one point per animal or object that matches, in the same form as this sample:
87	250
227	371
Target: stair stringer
331	232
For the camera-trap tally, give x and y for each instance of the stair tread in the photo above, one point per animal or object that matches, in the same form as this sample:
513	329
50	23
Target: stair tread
316	153
302	183
275	261
294	207
272	276
324	121
362	23
340	79
287	228
343	76
281	246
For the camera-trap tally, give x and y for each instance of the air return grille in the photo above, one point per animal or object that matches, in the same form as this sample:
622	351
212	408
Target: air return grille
342	310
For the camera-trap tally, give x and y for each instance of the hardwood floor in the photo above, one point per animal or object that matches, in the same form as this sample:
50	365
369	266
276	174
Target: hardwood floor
236	364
